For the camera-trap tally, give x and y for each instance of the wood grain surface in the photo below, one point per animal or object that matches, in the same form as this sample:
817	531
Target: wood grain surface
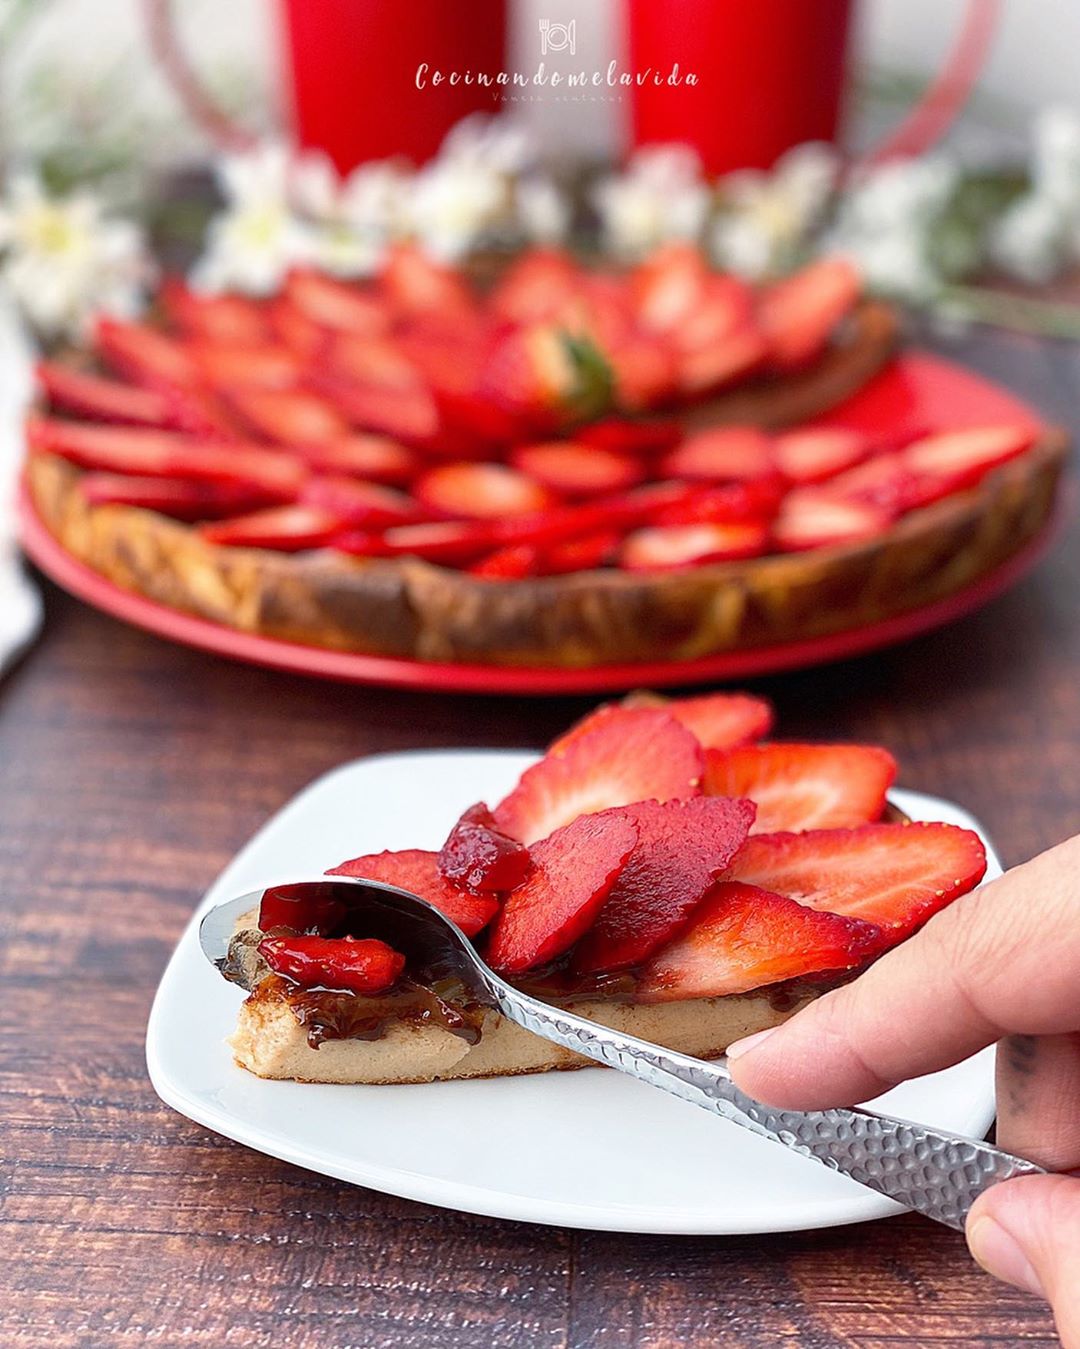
131	770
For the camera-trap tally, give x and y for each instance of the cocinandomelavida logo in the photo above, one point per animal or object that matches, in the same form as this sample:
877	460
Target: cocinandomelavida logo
558	37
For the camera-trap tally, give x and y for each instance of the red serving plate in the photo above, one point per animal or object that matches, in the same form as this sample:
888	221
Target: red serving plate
918	391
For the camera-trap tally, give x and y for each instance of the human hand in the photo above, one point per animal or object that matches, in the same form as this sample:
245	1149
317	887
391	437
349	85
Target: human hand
1000	965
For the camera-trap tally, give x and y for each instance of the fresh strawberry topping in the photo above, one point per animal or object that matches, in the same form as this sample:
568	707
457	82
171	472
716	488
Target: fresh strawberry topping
217	318
723	720
101	399
804	786
815	517
895	875
633	754
683	846
335	304
172	496
289	416
373	458
961	458
512	563
741	938
361	505
417	871
574	871
670	547
818	452
345	964
479	856
285	529
726	454
577	470
481	491
800	313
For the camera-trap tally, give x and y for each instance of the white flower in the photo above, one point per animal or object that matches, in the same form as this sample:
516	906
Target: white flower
258	237
502	144
351	221
660	196
543	211
1031	240
1055	169
63	260
886	221
767	217
453	203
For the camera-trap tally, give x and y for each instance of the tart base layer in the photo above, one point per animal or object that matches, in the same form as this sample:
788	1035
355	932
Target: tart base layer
411	609
270	1042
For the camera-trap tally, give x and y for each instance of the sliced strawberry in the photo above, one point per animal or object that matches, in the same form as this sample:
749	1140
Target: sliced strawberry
416	284
103	400
375	361
418	872
360	505
635	754
172	496
726	306
724	361
118	449
804	786
295	329
683	846
336	304
145	355
512	563
726	504
583	554
474	491
227	367
883	482
961	458
217	318
285	529
672	547
574	870
817	517
359	455
645	372
716	720
814	453
669	286
536	285
575	470
722	454
479	856
722	721
649	435
546	377
345	964
410	415
895	875
799	314
289	416
741	938
450	542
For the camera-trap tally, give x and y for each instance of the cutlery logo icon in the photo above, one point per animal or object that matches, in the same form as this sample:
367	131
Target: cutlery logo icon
558	37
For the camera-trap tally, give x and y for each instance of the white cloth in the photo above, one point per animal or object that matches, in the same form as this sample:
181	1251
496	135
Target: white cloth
20	602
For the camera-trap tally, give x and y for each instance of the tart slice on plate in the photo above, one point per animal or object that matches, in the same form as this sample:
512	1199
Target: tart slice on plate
660	870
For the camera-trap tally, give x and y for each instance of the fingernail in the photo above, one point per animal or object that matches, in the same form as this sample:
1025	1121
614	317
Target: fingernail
1001	1255
740	1047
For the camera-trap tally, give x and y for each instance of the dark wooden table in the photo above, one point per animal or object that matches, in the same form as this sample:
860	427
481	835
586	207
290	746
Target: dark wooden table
131	770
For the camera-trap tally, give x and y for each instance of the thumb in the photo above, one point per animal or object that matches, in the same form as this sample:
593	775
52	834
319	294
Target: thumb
1027	1232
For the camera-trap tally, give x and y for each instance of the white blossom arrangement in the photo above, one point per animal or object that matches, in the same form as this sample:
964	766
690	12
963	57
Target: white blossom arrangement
920	230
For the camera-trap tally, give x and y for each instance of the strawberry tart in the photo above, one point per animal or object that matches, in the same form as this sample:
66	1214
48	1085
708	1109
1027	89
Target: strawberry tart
662	870
567	468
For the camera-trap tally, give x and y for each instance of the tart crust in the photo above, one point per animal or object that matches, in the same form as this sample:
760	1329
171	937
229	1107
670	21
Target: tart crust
270	1042
411	609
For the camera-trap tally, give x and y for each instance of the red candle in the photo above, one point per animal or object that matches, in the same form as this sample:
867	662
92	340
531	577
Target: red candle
373	78
770	75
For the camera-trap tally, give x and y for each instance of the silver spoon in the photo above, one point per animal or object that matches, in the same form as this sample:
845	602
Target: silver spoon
934	1173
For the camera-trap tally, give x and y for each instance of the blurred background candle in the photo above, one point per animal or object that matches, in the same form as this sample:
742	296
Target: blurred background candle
352	66
771	75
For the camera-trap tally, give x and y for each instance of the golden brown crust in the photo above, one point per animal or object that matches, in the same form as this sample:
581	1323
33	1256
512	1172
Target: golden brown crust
412	609
270	1042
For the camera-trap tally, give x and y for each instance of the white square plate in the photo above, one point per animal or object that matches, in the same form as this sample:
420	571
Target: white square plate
589	1149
